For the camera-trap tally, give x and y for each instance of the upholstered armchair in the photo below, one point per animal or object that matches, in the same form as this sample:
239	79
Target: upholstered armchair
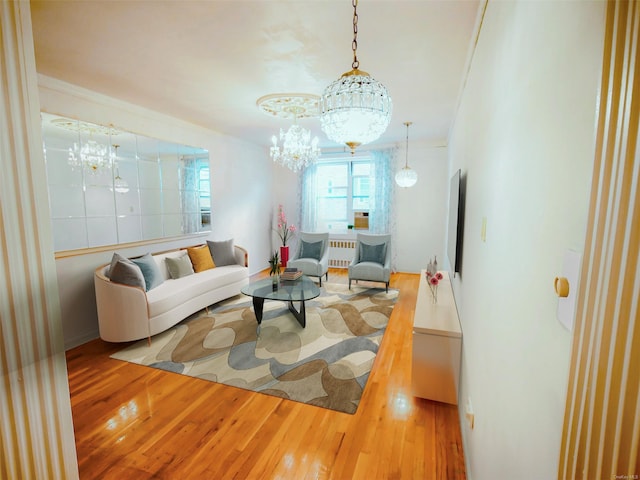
312	255
372	259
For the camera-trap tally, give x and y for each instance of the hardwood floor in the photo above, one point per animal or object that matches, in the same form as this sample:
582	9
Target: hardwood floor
138	422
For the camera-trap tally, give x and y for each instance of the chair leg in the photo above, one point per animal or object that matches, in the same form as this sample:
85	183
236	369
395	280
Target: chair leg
320	278
349	284
387	287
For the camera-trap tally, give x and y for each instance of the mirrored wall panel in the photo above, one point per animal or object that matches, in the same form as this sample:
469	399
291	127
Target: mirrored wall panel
108	187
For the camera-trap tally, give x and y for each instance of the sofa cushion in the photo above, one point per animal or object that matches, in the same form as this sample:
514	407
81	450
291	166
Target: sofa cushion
175	292
200	258
152	274
222	252
310	249
308	266
128	273
115	259
179	266
373	253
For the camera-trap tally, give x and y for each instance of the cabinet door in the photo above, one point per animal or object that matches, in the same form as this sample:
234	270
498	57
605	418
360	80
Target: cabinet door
435	367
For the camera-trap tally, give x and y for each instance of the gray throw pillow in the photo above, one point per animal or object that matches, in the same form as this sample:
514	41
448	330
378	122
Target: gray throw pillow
222	252
310	250
150	270
179	266
115	259
128	273
373	253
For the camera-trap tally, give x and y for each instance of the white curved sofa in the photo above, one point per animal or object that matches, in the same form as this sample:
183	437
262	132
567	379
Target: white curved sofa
127	313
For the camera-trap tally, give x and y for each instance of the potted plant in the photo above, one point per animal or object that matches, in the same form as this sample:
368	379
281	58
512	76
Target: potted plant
274	272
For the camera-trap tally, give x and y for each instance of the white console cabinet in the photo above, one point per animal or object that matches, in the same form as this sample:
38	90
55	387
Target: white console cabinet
437	344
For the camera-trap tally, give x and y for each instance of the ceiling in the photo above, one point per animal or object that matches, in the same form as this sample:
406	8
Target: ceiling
208	61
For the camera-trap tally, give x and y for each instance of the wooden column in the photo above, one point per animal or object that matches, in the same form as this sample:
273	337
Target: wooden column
36	436
602	419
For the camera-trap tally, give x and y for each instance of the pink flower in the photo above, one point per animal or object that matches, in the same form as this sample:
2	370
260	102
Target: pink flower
428	274
284	230
439	276
434	281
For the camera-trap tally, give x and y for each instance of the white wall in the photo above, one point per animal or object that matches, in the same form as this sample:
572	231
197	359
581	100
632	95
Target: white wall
524	137
241	194
421	209
287	193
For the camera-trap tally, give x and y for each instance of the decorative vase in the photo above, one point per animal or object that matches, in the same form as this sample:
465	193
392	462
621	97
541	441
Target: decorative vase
284	255
275	280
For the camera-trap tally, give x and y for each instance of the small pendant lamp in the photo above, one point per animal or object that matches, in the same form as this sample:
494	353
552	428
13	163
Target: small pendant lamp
406	177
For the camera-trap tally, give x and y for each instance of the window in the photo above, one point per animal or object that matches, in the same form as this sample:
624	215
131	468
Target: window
342	193
345	191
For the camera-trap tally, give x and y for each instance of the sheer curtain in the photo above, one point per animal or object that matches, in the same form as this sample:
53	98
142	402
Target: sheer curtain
382	213
382	194
382	218
308	199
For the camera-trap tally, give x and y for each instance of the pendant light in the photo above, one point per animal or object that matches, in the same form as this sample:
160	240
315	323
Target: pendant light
120	185
406	177
356	108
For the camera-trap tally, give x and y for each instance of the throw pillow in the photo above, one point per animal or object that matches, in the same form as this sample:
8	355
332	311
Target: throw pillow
179	266
373	253
310	250
200	258
222	252
128	273
115	259
150	270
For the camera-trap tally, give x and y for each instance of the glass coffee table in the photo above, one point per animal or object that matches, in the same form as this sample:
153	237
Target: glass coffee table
299	290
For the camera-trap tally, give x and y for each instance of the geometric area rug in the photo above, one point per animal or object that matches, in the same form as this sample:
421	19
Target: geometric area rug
326	364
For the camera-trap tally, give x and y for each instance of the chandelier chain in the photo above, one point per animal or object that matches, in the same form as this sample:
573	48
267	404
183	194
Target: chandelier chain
406	161
354	44
356	108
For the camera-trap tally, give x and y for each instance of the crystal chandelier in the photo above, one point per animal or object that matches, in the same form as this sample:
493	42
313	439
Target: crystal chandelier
356	108
297	149
88	154
92	155
406	177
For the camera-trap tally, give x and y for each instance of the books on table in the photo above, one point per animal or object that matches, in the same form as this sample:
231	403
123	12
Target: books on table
291	274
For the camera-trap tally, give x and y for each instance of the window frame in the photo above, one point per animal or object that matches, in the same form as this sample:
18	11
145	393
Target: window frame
349	220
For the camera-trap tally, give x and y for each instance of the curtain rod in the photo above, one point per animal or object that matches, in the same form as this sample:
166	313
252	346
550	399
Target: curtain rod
346	150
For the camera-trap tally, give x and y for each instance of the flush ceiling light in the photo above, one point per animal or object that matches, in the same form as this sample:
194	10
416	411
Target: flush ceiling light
298	149
356	108
406	177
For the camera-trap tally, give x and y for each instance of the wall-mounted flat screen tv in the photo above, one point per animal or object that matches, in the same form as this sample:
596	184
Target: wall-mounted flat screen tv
455	228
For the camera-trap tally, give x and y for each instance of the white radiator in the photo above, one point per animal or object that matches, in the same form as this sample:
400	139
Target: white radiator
341	253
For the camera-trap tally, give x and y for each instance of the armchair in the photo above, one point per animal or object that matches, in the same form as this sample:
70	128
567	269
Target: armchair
312	255
372	259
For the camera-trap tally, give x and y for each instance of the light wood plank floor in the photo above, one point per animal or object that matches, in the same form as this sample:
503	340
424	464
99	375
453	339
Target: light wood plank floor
138	422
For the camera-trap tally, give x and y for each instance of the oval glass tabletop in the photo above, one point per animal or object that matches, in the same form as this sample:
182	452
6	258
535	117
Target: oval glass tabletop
289	291
295	291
